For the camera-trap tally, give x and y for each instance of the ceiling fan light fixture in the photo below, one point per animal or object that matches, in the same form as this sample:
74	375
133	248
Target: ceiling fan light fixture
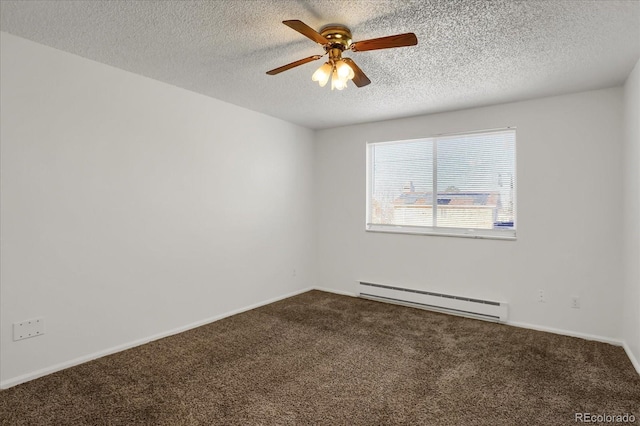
335	39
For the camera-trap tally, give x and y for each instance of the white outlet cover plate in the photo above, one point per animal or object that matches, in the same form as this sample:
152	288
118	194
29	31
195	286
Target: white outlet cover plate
28	328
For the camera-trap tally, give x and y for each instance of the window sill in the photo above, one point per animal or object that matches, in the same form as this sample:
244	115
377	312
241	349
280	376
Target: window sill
446	232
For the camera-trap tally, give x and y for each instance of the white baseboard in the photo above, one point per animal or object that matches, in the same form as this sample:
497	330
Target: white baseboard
80	360
569	333
331	290
632	357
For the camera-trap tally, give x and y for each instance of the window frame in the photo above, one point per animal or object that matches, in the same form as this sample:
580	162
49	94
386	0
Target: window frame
509	234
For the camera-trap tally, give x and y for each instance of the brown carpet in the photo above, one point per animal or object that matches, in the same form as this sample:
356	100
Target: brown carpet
320	358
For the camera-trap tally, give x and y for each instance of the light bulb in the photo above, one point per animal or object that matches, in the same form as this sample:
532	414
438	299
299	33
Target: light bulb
344	70
322	74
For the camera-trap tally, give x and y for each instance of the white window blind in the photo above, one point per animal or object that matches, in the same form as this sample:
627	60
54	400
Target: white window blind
461	185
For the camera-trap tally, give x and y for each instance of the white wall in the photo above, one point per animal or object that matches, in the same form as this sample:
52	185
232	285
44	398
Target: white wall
131	208
569	215
631	208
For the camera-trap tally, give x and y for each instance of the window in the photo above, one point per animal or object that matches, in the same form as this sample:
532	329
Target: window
472	175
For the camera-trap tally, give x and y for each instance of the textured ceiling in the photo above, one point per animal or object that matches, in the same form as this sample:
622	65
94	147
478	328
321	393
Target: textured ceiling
469	52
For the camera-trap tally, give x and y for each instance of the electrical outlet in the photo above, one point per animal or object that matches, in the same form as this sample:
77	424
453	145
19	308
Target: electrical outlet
294	273
541	298
28	328
575	302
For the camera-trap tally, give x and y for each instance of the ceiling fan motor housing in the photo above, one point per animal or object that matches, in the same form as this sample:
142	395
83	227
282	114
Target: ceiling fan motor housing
338	35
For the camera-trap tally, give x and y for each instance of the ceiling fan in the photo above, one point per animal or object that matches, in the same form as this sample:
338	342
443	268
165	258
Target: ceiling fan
335	39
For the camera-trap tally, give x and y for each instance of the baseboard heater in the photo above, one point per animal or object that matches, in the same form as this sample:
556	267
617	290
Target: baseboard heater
465	306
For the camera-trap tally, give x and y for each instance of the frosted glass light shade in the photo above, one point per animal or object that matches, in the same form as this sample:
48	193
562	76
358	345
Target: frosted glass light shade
344	70
337	82
322	74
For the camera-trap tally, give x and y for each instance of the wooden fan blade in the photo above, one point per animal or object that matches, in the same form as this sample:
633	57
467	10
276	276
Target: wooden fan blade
398	40
359	79
306	30
293	64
